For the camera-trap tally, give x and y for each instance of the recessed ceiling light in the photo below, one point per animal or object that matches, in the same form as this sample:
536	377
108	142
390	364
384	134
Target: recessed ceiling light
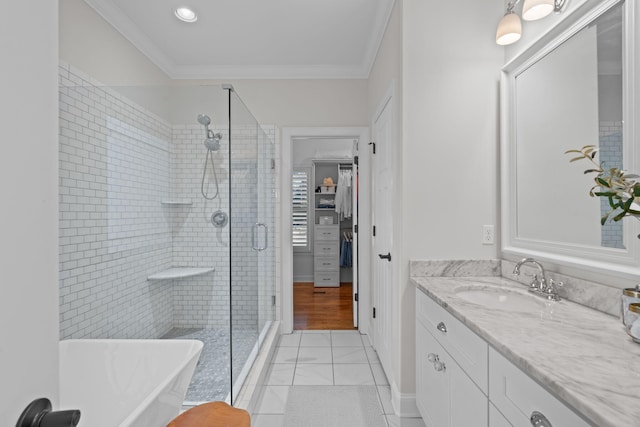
185	14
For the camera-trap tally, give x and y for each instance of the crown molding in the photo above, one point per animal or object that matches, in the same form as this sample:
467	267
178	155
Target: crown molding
128	29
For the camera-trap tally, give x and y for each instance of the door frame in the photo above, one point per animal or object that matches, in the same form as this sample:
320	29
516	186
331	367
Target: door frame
364	221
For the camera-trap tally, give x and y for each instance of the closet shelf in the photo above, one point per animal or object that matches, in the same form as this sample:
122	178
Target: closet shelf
180	273
176	202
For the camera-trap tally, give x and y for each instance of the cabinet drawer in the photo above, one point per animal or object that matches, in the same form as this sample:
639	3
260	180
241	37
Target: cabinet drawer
326	232
326	263
329	279
325	249
468	349
517	396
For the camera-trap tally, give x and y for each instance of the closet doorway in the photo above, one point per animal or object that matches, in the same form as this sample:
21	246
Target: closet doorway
324	291
324	221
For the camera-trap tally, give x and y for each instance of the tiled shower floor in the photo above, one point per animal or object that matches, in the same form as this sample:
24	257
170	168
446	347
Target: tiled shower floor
211	379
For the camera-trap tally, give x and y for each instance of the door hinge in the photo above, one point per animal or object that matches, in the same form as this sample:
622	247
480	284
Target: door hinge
355	160
355	228
273	300
374	146
374	231
355	297
374	312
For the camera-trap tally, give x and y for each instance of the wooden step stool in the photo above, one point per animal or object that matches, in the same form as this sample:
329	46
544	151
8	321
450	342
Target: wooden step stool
212	414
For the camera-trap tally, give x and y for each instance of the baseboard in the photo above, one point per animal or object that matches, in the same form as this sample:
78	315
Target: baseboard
404	404
303	279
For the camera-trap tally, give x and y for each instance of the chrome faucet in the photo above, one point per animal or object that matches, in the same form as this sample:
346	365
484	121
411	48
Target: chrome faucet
540	286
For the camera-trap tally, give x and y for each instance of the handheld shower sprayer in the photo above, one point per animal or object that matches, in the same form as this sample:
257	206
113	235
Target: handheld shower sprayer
212	142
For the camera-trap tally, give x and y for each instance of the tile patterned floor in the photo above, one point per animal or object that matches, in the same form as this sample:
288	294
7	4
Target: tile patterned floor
212	377
323	358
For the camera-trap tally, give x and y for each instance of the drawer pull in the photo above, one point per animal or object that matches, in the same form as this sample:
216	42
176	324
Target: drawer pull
442	328
437	364
539	420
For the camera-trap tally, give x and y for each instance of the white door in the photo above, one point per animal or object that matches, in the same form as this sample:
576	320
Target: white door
382	220
354	244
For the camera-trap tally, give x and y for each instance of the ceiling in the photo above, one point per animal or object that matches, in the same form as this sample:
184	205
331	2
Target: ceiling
254	38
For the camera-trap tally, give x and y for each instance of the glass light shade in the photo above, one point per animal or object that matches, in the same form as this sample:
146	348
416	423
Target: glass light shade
537	9
185	14
509	29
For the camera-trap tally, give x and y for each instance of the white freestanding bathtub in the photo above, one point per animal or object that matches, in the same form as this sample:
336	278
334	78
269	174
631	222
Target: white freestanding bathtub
126	383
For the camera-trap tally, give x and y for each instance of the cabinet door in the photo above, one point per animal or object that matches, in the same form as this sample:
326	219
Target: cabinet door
445	395
496	419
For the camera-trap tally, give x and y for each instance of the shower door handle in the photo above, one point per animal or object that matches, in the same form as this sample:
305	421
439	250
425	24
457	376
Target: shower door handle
254	232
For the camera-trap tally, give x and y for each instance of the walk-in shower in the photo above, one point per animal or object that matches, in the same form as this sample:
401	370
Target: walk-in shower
157	232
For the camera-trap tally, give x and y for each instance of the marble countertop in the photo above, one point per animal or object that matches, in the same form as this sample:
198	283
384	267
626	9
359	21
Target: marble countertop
581	355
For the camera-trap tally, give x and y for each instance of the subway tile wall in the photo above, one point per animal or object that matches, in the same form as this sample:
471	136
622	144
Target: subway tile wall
611	154
118	162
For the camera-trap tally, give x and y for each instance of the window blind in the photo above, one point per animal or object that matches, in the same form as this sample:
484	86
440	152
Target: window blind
300	200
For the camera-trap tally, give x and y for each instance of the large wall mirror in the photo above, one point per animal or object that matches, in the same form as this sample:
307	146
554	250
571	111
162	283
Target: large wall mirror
572	88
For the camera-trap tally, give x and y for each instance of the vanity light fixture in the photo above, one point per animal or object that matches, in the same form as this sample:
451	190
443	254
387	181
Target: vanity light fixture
186	14
510	27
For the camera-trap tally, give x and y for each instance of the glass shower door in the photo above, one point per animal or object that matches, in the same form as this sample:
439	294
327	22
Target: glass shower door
248	240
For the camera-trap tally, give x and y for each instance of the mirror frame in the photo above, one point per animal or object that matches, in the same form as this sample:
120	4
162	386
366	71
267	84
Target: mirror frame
624	263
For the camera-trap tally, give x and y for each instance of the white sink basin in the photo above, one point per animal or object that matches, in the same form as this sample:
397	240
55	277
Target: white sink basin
494	297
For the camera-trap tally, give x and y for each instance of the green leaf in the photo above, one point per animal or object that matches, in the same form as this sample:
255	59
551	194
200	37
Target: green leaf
619	216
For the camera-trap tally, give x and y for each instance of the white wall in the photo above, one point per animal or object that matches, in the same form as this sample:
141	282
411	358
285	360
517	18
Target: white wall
449	170
301	102
88	42
28	218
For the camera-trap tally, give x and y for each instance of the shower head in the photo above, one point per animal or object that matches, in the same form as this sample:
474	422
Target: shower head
212	140
204	120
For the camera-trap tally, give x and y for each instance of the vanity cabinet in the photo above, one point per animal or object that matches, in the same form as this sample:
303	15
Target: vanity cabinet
462	381
451	362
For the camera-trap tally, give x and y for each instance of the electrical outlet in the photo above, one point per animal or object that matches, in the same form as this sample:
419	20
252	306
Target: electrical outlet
487	235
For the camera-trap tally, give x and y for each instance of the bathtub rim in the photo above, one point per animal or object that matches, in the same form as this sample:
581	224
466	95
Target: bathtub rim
194	347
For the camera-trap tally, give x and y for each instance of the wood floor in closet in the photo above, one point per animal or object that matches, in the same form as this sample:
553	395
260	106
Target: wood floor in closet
322	308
